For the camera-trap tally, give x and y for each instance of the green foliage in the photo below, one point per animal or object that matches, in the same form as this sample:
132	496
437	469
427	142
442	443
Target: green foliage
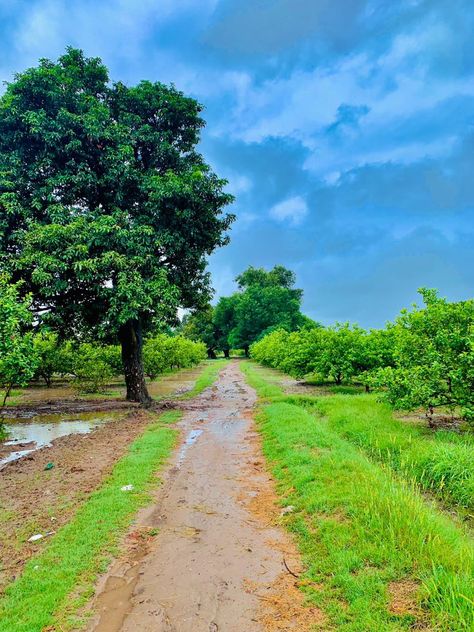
425	359
18	360
199	326
433	357
337	353
91	369
100	185
224	321
52	356
267	301
163	353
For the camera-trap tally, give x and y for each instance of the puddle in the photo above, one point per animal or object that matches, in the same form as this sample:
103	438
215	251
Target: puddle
174	383
39	432
190	439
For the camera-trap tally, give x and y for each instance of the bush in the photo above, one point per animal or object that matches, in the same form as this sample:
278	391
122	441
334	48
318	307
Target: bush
91	369
433	358
163	353
18	359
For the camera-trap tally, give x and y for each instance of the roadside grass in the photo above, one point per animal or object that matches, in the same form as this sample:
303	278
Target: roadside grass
71	559
378	555
441	462
206	379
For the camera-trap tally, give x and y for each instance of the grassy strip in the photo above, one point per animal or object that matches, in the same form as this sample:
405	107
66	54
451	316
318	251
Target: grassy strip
366	537
80	549
441	462
206	379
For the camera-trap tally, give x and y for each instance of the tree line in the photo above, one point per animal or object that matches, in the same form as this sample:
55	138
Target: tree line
30	354
424	359
264	301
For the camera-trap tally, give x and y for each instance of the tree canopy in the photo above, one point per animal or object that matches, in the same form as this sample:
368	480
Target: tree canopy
266	300
107	211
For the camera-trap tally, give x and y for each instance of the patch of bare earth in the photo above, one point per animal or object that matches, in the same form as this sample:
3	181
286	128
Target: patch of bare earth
403	597
34	500
282	604
220	562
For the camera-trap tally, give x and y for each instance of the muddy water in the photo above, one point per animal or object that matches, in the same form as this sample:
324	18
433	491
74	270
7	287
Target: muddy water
212	557
25	437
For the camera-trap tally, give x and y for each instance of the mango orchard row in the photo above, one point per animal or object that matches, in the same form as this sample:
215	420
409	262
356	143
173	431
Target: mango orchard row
425	358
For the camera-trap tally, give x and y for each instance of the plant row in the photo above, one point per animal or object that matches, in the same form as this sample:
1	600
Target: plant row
424	359
27	355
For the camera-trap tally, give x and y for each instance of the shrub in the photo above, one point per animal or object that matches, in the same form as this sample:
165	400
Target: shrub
18	359
91	369
163	353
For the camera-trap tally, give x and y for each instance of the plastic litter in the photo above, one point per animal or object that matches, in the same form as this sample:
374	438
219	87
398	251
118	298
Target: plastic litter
36	537
40	536
127	488
287	510
49	466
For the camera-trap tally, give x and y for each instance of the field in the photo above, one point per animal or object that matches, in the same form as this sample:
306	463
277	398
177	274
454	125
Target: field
382	511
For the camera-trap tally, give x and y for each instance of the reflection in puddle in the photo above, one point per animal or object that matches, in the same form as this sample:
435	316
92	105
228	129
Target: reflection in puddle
190	439
33	435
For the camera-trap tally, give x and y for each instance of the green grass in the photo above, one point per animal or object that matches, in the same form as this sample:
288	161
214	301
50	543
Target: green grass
361	528
206	379
72	558
441	462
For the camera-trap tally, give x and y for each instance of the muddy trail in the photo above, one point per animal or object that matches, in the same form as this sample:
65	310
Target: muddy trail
220	560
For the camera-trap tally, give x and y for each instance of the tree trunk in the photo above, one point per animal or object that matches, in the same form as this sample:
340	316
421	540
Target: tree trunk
246	351
211	354
130	336
226	353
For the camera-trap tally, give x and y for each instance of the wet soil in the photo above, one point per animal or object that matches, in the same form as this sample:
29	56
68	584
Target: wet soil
220	560
62	398
36	500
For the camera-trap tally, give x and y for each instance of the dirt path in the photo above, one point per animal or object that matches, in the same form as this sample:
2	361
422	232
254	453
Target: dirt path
218	562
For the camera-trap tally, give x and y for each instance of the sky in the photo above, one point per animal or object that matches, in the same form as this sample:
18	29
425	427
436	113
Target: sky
344	127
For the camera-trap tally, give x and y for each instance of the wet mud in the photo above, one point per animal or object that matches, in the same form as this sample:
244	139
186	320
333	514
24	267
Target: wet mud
220	560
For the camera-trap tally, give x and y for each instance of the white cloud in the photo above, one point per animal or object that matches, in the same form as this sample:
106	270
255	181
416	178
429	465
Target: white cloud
293	209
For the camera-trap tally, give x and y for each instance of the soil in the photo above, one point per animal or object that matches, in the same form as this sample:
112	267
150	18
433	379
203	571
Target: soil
221	560
34	500
62	398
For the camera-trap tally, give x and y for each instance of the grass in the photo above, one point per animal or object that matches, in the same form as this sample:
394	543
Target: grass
71	559
441	462
365	534
206	379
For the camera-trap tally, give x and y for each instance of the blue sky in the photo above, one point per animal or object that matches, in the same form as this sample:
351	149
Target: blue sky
345	129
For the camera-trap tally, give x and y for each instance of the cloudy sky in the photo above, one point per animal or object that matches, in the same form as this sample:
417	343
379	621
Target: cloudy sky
345	129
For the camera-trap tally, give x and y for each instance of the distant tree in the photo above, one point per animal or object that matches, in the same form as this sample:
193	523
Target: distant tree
224	320
107	211
277	276
267	301
18	360
199	326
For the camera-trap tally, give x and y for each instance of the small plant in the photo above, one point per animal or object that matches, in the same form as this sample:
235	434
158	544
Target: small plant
18	359
91	369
